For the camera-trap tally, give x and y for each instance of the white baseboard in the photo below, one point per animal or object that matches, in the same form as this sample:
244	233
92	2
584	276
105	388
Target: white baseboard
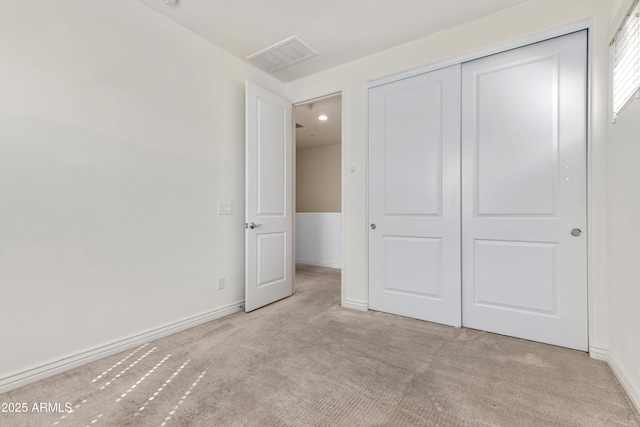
49	369
318	263
598	353
356	305
633	390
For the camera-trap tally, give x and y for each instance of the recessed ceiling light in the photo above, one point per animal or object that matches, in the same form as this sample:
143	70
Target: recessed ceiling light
323	117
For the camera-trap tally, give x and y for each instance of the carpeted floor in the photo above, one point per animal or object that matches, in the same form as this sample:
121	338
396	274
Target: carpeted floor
305	361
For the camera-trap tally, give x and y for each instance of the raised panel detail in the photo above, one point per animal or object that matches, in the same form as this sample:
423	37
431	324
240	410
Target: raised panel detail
413	265
272	154
271	258
517	139
413	151
515	275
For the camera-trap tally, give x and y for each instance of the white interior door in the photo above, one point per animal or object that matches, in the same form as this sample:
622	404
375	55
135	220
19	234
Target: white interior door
414	197
524	192
268	205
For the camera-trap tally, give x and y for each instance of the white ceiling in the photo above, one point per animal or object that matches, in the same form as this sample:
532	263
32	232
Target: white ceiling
339	30
315	132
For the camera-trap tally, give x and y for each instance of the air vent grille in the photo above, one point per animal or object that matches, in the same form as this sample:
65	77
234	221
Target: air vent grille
283	54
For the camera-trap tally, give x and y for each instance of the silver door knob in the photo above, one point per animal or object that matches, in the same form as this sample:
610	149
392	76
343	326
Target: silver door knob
373	226
576	232
252	225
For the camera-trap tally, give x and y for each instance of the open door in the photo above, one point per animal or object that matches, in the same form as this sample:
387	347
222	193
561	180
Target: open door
269	196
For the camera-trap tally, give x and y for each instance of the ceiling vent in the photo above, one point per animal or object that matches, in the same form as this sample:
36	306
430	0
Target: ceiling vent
280	55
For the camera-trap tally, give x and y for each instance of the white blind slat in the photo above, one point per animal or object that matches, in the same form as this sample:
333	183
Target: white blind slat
626	61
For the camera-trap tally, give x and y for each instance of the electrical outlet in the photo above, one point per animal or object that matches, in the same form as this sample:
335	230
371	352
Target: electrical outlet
221	281
225	208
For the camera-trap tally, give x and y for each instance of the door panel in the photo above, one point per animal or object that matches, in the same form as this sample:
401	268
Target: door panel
268	209
517	138
524	190
412	145
414	197
532	268
272	145
413	266
271	258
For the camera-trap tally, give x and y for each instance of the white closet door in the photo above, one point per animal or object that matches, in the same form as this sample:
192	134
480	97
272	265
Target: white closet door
414	197
524	192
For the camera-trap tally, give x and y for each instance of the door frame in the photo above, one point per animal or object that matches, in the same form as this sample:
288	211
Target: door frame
305	99
596	271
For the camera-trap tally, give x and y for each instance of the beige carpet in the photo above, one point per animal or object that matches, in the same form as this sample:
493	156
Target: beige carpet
305	361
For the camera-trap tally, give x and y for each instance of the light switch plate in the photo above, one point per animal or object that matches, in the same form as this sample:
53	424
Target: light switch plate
225	208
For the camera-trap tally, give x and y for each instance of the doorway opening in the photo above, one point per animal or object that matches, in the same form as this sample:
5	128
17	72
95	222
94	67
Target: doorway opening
318	182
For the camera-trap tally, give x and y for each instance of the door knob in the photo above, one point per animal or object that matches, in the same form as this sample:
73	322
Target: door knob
252	225
576	232
373	226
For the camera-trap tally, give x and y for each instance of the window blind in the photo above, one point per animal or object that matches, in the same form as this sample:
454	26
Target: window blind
626	61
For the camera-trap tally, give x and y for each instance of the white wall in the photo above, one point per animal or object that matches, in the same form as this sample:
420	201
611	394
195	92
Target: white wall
624	247
319	238
524	20
119	132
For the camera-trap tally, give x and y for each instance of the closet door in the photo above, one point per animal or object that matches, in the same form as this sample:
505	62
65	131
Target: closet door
414	197
524	192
